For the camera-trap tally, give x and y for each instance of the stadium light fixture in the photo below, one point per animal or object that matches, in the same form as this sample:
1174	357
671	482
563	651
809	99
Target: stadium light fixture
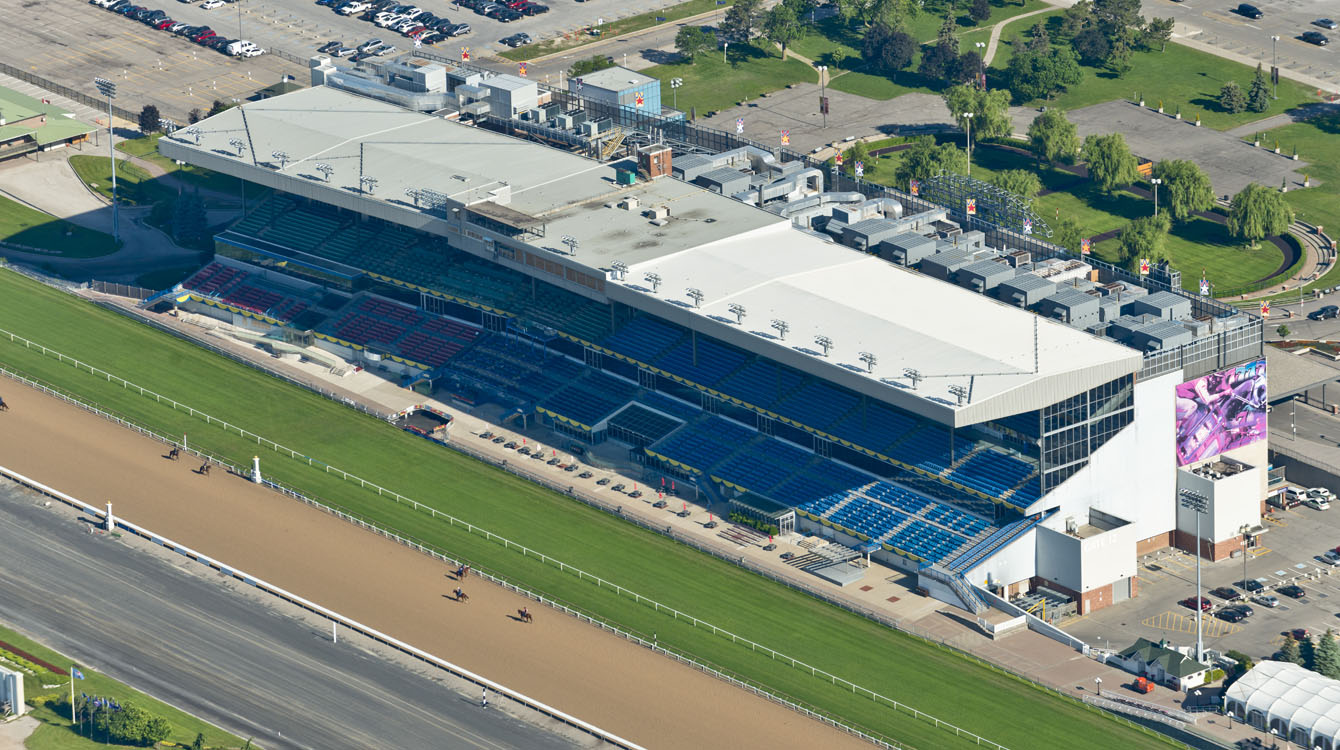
620	269
870	361
1198	504
912	375
413	194
1155	181
959	392
696	295
325	169
241	146
108	89
654	279
781	326
572	243
192	132
824	343
282	156
367	184
675	83
738	311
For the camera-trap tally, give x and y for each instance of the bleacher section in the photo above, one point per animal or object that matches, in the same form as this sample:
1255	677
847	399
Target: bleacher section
762	383
244	291
400	331
640	426
702	445
590	399
644	338
715	361
991	472
817	405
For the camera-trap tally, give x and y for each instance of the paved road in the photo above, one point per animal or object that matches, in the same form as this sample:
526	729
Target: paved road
189	640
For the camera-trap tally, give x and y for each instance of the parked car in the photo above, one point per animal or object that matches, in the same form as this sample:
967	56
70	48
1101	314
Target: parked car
459	29
1190	603
1225	592
212	4
329	47
1231	615
1329	311
1293	590
1250	585
1331	556
1246	610
343	52
516	40
1250	11
603	481
1266	600
1301	634
164	24
1316	37
369	45
384	50
1326	23
1317	502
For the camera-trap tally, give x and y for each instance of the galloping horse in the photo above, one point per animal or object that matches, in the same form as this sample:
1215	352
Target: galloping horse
3	406
175	453
204	469
461	596
525	615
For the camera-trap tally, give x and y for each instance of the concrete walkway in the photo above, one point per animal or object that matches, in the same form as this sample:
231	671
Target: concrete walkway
998	28
1298	114
14	734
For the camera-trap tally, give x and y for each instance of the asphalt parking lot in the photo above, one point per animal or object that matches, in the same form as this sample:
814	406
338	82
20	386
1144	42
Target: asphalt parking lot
1288	553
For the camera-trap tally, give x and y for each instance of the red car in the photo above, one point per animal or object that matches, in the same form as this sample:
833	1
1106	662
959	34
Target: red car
1300	634
1190	603
204	36
163	24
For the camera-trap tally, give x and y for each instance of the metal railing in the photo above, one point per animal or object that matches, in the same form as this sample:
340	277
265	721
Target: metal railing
87	100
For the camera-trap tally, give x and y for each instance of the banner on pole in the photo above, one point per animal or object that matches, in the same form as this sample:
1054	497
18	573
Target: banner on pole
1028	226
914	186
1265	309
739	125
638	100
1144	266
860	169
521	68
972	207
786	138
1085	246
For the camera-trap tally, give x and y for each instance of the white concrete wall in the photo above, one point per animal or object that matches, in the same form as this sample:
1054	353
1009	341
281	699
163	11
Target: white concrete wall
1017	561
1060	557
11	689
1108	557
1234	502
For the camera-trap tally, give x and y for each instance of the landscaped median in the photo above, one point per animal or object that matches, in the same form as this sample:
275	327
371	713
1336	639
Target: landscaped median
582	37
920	674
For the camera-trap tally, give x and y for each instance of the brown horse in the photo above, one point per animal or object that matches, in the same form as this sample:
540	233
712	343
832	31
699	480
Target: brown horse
525	615
3	406
461	596
204	469
174	454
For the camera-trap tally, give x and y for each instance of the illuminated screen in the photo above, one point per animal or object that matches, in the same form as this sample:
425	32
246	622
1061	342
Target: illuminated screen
1221	411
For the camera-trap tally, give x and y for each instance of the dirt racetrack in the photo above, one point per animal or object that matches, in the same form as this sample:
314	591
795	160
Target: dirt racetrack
577	668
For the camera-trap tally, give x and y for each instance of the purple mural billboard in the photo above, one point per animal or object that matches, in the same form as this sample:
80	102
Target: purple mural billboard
1221	411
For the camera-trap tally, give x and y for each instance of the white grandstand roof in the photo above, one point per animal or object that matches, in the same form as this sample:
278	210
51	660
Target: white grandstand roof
951	336
1301	698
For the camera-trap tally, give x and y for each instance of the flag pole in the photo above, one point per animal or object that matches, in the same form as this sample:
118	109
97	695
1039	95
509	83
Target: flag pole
71	693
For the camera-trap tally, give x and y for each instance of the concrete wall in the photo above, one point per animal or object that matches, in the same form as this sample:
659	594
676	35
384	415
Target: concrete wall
1016	562
11	689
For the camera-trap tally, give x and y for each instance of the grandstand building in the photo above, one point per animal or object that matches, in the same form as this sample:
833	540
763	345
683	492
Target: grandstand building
980	429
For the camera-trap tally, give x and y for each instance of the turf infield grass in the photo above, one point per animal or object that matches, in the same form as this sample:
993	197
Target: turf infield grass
995	705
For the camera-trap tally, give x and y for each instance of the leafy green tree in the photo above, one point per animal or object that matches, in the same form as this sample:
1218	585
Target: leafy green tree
1066	232
892	13
1231	98
1157	31
692	41
1185	190
1092	46
1121	41
199	743
742	20
990	110
801	8
219	106
1308	651
1257	212
590	65
189	224
945	36
1034	74
1144	237
887	49
781	27
938	63
1328	655
1039	40
1283	331
1117	14
194	116
966	68
850	10
1021	182
149	118
859	151
1258	94
132	725
1111	164
979	11
1076	18
1054	137
927	159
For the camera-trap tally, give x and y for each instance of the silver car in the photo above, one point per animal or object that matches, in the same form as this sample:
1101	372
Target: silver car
1266	600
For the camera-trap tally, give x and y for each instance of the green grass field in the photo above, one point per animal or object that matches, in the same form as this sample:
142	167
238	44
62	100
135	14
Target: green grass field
204	179
134	186
614	28
57	733
32	228
923	675
711	84
1318	142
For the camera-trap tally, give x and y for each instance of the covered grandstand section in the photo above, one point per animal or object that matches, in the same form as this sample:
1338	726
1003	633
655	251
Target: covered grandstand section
1290	701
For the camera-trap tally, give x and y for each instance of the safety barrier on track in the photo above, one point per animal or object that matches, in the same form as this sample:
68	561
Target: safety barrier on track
376	635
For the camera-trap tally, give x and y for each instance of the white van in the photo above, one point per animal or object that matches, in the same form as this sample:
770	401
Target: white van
243	48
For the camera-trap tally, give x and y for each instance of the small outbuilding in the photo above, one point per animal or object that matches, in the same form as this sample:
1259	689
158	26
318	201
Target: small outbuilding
1162	664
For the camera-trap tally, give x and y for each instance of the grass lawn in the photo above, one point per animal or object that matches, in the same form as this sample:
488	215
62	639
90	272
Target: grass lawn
711	84
22	225
204	179
1318	141
614	28
924	675
1183	77
134	186
57	733
1014	33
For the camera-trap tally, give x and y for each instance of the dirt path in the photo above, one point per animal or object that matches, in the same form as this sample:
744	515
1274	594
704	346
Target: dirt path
558	660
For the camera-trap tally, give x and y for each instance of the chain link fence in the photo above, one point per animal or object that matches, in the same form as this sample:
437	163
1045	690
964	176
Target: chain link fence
87	100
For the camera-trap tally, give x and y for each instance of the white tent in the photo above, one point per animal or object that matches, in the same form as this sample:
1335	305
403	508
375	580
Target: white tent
1287	700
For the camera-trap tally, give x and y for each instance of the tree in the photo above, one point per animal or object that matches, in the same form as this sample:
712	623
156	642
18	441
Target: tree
1158	30
1257	212
1066	233
742	20
1038	38
781	27
1308	651
194	116
1328	655
990	110
1076	18
887	49
1054	137
859	151
219	106
892	13
589	65
1283	331
1289	651
1034	74
979	11
938	62
1231	98
1143	238
1111	164
1258	95
199	743
692	41
800	7
966	68
1185	190
850	10
1092	46
189	223
1021	182
945	36
927	159
1120	43
1117	14
149	118
132	725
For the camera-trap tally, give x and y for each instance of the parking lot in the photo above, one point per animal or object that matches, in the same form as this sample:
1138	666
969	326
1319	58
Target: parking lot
1289	553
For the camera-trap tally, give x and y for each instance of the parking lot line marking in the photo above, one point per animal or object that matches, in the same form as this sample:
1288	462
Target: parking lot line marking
1260	551
1275	521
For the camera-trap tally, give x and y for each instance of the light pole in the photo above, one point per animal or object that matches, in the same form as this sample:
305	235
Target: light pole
675	83
108	89
967	124
981	63
823	92
1099	682
1196	503
1274	66
1245	528
1155	181
724	46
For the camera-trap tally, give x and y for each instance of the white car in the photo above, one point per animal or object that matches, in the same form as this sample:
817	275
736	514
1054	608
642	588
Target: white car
212	4
1331	557
352	8
1266	600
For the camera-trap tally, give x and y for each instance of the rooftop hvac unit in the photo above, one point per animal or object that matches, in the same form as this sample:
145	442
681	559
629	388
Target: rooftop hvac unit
565	122
625	177
578	117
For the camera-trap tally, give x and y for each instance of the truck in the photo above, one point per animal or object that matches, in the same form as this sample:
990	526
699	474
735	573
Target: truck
243	48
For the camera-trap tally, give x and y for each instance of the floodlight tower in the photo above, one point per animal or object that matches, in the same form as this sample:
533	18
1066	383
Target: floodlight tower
781	327
738	311
824	343
367	184
572	243
241	145
325	169
959	392
696	295
870	361
620	269
108	89
282	156
413	194
654	279
1198	504
192	132
912	375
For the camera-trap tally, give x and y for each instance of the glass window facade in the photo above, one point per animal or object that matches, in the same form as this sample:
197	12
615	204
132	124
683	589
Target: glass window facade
1076	427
